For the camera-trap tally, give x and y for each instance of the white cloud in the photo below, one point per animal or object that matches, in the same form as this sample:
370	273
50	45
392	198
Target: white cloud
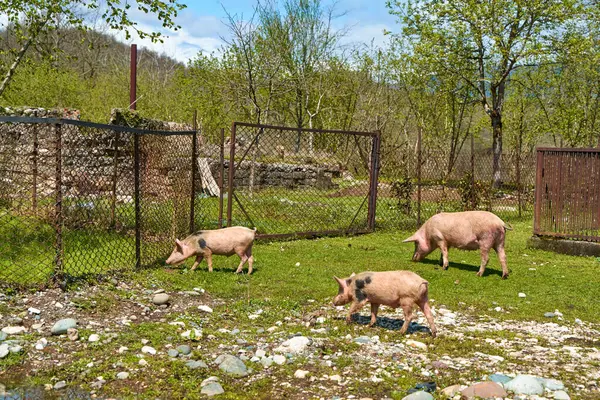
366	34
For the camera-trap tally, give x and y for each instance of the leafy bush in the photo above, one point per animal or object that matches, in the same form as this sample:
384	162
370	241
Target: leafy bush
402	190
473	193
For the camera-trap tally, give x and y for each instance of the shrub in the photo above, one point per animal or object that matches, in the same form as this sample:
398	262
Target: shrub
402	190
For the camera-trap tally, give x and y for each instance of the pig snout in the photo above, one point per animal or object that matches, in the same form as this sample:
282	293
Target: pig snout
175	259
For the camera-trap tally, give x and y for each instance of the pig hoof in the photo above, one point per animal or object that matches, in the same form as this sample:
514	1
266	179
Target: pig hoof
504	276
480	273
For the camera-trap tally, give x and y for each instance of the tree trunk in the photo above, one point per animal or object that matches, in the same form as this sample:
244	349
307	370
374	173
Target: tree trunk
15	64
496	148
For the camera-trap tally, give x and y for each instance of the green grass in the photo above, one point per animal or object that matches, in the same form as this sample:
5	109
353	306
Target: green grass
559	282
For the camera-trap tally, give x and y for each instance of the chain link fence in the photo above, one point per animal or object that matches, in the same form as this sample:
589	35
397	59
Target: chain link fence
79	199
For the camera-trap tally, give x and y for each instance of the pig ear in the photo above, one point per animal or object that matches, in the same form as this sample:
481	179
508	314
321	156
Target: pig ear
352	275
179	244
413	238
340	282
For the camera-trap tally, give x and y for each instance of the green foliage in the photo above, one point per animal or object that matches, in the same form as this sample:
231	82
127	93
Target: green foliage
473	193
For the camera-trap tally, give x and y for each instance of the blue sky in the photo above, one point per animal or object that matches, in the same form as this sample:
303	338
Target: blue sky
202	27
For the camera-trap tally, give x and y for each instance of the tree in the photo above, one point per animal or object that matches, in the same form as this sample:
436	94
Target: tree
484	42
28	20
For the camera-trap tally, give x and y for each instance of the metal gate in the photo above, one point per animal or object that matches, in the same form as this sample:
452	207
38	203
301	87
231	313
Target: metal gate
301	182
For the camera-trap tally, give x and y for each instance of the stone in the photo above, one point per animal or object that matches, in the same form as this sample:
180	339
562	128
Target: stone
148	350
231	365
194	334
93	338
41	344
549	315
525	384
266	362
193	364
160	299
122	349
552	384
123	375
32	310
450	391
295	345
418	396
60	385
522	295
209	380
142	363
17	348
14	330
184	349
260	353
4	351
173	353
561	395
362	340
416	344
279	359
72	334
3	336
61	327
484	390
499	378
212	389
300	374
205	309
439	365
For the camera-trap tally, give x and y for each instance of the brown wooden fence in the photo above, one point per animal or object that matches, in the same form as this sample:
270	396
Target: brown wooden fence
567	194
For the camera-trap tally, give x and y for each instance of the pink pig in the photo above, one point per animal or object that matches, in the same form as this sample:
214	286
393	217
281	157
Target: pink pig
468	230
390	288
225	242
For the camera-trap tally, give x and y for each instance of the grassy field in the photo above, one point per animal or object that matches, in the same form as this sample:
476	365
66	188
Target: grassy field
550	281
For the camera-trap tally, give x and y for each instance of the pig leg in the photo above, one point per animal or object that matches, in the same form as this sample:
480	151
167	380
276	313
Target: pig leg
374	309
199	258
444	255
407	308
424	306
243	259
502	257
485	254
250	259
208	255
354	308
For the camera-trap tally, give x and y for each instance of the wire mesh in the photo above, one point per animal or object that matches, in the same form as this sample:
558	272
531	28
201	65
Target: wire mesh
288	181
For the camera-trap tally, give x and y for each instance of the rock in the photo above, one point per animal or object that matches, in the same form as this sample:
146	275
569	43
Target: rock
41	344
525	384
32	310
4	350
279	359
212	389
552	384
123	375
142	363
266	362
335	378
122	349
416	344
3	336
483	390
194	334
93	338
205	309
61	327
231	365
159	291
549	315
173	353
362	340
184	349
148	350
260	353
60	385
15	348
235	331
424	386
72	334
300	374
294	345
14	330
209	380
450	391
418	396
561	395
499	378
160	299
522	295
193	364
439	365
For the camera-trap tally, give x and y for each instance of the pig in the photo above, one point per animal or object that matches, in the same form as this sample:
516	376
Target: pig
223	242
390	288
468	230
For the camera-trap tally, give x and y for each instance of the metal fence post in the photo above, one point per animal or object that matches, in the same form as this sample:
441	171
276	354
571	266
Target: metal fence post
419	137
194	171
231	174
472	191
58	212
538	191
518	175
136	184
221	172
374	178
34	169
115	177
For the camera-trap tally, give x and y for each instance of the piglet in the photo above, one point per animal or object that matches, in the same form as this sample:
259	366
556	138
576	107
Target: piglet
468	230
390	288
222	242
